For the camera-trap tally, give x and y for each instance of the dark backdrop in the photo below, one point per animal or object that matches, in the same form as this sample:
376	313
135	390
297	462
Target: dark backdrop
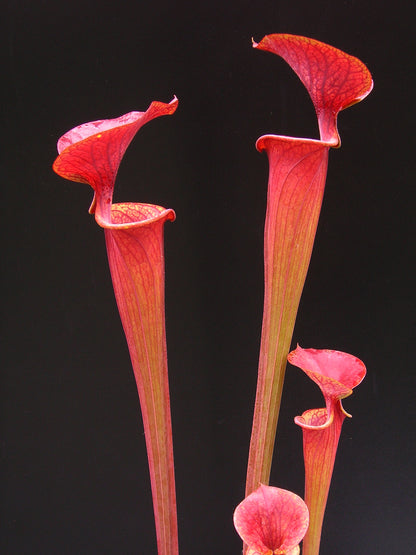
74	464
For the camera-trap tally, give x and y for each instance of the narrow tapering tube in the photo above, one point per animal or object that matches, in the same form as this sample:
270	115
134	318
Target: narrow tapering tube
297	173
320	444
295	190
336	373
91	153
135	254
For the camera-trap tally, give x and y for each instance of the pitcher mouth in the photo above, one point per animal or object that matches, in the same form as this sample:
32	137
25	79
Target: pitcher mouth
128	215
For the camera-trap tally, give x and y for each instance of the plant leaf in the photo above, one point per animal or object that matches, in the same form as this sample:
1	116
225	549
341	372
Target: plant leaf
334	79
91	153
271	521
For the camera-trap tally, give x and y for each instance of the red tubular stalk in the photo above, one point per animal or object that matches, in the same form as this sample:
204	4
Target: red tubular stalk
336	373
296	187
135	254
320	443
297	174
91	153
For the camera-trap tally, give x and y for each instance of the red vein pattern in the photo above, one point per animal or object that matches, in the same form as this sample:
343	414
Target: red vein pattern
333	79
336	373
271	521
91	153
296	186
297	174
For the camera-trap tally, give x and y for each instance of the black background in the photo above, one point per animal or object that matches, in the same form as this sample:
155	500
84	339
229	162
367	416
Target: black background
75	475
